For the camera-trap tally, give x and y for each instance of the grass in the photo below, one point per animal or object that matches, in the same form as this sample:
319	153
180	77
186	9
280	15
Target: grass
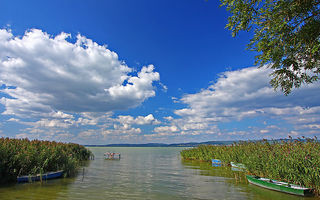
293	161
25	157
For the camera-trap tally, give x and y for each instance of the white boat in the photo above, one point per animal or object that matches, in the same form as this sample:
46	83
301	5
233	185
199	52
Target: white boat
238	166
112	156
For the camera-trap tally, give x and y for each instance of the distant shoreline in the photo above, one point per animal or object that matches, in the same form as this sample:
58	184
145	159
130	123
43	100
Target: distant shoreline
190	144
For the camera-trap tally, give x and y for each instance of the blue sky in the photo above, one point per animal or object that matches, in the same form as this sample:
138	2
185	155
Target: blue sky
122	71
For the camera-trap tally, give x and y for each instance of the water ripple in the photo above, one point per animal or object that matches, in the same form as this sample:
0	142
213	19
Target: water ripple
142	173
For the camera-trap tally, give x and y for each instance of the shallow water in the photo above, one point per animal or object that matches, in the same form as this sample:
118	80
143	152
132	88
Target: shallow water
145	173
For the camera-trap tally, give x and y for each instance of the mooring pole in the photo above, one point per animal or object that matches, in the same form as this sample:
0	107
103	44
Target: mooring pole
82	174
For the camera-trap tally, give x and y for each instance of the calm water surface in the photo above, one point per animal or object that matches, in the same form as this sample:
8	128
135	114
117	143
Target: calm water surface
145	173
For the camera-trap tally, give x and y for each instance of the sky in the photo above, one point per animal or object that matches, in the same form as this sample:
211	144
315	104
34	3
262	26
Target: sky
143	71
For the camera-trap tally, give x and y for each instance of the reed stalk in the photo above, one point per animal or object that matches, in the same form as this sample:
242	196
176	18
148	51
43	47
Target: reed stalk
293	161
25	157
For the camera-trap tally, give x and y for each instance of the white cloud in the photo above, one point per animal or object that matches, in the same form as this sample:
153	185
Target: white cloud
88	128
88	134
149	119
140	120
263	131
169	118
26	135
13	120
161	129
164	87
121	132
247	93
50	134
122	127
85	121
194	126
61	115
52	74
311	126
244	94
54	123
94	118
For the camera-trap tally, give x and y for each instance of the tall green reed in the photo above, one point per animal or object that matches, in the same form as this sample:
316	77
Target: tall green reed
24	157
293	161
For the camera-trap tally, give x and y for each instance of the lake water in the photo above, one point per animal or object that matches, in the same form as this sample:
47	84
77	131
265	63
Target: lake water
145	173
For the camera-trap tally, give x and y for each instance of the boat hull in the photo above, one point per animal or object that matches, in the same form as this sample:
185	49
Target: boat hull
238	166
46	176
275	185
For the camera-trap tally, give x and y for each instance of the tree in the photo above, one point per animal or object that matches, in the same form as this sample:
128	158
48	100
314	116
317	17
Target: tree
286	37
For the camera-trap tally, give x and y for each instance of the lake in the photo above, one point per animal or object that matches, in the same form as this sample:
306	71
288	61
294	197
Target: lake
145	173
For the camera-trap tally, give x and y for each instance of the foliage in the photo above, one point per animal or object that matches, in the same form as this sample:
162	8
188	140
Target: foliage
286	34
24	157
293	161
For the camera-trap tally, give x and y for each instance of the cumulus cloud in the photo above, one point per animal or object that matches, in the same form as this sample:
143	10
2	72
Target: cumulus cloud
89	134
162	129
246	93
49	73
13	120
140	120
51	134
168	118
87	128
121	132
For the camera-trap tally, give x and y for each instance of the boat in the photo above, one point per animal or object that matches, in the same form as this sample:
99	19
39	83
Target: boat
39	177
237	166
216	163
280	186
112	156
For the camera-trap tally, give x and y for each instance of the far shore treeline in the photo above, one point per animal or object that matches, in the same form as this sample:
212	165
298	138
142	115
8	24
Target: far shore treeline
25	157
293	161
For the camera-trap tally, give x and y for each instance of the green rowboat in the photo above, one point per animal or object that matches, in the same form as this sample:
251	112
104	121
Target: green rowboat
279	186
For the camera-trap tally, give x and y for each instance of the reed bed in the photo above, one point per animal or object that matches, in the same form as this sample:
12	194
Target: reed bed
24	157
293	161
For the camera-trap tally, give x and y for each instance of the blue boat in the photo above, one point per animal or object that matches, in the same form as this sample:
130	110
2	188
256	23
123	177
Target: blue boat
216	163
40	177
